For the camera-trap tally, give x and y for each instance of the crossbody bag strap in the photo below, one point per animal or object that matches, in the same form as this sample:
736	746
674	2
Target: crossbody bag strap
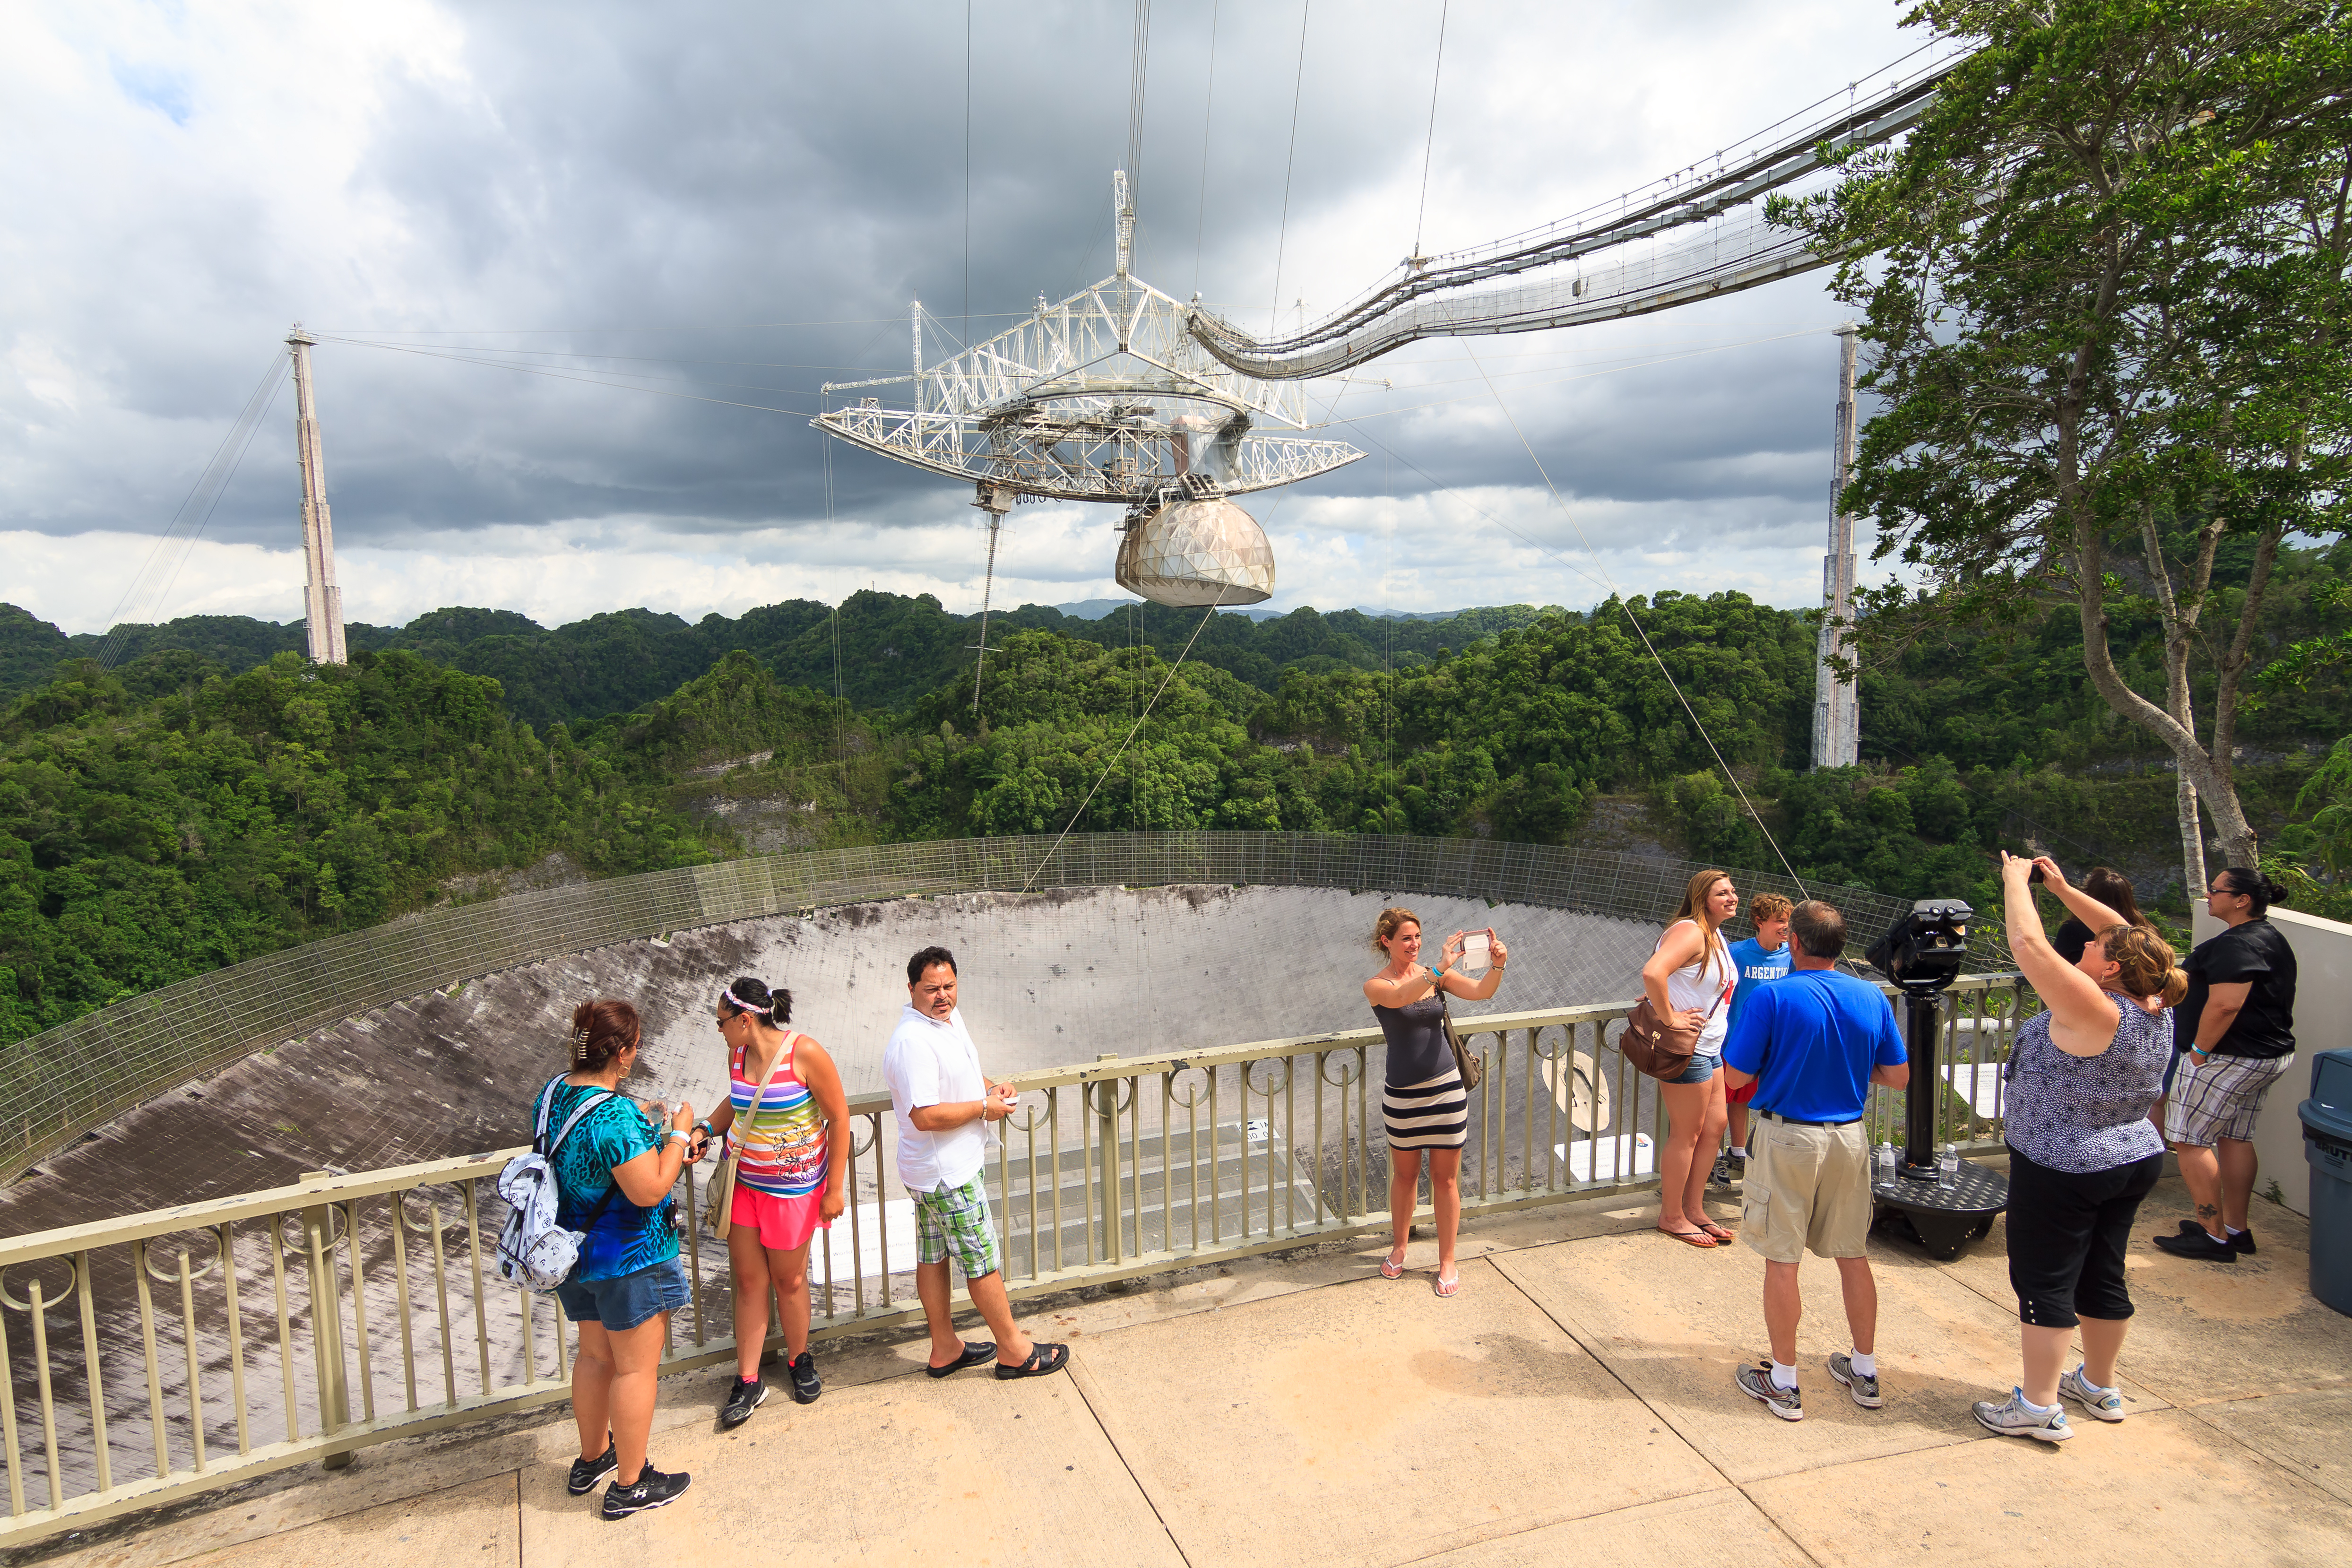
759	1093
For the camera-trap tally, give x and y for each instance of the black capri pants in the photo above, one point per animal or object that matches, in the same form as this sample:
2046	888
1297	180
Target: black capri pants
2067	1232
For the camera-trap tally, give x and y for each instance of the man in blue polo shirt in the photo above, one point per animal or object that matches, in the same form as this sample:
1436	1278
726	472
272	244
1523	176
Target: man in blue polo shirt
1812	1042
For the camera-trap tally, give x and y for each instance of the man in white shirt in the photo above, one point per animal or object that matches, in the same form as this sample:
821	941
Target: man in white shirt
943	1103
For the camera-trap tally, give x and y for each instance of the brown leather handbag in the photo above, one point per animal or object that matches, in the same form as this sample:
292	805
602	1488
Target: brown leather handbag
1658	1047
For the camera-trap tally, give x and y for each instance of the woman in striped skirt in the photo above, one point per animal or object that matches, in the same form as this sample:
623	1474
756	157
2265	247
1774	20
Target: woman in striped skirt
1422	1102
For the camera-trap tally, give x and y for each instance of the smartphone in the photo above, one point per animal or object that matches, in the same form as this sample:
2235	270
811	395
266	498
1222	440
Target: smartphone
1478	949
2034	878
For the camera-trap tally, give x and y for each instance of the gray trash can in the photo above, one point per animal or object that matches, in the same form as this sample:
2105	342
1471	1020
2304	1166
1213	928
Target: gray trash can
2327	1145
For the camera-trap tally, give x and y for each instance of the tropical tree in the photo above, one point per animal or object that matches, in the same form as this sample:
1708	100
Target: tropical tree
2105	281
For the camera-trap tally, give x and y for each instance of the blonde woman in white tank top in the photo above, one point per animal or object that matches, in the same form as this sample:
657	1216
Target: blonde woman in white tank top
1690	976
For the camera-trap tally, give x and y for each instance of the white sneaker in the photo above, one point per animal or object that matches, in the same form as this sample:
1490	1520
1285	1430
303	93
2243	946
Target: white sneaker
2106	1403
2011	1419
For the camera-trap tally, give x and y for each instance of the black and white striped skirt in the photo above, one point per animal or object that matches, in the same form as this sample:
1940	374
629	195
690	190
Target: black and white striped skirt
1432	1114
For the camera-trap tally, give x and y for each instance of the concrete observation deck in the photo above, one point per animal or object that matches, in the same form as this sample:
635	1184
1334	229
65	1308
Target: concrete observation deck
1574	1402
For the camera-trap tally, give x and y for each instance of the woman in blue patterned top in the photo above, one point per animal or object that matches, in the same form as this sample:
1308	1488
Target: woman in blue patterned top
2081	1153
614	1172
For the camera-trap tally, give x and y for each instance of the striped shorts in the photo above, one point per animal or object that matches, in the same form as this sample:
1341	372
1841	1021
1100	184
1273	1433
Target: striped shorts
1432	1114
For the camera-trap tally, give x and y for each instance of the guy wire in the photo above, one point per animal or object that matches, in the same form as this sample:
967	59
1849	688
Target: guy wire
1672	684
1148	707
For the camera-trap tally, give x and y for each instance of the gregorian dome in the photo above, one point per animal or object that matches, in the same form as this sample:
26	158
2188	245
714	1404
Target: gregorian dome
1207	552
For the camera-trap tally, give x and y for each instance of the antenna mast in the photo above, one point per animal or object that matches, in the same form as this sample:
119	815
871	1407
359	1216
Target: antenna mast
1837	715
322	601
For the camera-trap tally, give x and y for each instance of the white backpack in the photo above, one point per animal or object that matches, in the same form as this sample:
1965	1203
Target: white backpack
533	1250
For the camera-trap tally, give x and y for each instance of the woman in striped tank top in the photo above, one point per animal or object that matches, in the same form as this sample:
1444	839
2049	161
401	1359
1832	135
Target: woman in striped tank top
794	1153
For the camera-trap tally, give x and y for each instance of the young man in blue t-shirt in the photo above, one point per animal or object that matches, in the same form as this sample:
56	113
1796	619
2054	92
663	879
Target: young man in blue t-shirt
1813	1041
1762	957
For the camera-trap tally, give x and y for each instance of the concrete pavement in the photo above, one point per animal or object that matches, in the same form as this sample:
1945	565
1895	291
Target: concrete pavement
1574	1402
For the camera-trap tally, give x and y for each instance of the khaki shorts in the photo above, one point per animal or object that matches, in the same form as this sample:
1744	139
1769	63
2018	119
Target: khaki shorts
1808	1188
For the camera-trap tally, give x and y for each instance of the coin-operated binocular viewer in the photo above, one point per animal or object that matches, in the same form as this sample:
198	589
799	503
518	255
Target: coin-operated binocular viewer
1945	1204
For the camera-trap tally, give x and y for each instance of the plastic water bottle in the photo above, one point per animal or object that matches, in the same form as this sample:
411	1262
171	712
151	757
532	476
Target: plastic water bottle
1883	1168
1947	1165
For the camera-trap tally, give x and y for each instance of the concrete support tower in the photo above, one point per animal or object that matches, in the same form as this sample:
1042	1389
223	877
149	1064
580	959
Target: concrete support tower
322	601
1837	715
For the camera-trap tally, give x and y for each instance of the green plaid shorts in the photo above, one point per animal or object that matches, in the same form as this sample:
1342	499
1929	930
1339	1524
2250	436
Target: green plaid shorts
956	1219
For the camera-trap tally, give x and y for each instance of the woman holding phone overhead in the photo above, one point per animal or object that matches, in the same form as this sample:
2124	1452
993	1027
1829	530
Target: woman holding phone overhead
790	1122
1689	977
2082	1155
1424	1105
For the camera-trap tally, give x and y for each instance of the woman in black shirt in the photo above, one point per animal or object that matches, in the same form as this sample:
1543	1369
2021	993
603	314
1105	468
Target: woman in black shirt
2238	1022
2106	885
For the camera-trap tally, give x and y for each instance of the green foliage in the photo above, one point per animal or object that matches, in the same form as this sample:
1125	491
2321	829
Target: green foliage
170	818
2313	856
178	813
2105	279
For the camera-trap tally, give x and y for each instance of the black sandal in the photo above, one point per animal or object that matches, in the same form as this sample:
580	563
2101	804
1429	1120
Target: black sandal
1042	1358
974	1355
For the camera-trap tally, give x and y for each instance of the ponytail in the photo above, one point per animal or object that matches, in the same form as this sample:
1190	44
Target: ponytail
2144	964
746	994
2253	884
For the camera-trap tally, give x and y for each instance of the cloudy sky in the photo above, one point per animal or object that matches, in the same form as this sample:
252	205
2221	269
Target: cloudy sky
667	225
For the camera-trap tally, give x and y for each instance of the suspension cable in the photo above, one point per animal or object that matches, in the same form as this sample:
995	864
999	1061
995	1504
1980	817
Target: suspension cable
1290	161
1430	146
1626	608
1123	745
1208	111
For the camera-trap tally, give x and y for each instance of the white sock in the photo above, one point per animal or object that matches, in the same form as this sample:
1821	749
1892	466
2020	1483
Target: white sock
1784	1376
1739	1150
1866	1365
2234	1230
2029	1407
2084	1379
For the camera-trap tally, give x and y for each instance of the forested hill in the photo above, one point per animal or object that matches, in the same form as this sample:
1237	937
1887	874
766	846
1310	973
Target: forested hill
190	809
887	650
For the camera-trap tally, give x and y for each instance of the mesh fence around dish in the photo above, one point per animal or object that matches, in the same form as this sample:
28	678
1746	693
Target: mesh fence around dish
58	1084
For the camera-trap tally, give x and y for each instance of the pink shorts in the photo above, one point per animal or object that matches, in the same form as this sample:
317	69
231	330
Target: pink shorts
784	1224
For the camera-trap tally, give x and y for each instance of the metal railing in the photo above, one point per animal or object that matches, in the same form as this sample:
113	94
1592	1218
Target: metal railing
68	1081
166	1354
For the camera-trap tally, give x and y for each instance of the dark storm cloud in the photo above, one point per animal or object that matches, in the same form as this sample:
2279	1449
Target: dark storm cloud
656	187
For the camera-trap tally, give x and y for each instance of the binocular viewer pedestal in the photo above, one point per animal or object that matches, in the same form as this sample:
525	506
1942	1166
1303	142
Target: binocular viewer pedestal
1942	1219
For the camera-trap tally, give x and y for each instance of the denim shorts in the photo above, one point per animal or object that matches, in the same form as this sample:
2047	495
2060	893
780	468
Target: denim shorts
624	1302
1702	1068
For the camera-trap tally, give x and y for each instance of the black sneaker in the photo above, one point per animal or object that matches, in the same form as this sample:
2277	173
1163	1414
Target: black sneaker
746	1395
652	1489
806	1385
2197	1243
1721	1176
2241	1242
586	1473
